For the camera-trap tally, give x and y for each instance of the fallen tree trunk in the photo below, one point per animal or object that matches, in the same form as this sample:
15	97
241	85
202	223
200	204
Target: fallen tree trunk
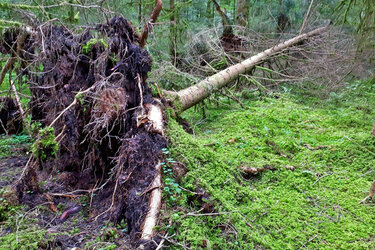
194	94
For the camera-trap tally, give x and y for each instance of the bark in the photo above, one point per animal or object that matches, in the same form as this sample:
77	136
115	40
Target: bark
227	28
373	130
194	94
243	8
139	11
172	32
154	16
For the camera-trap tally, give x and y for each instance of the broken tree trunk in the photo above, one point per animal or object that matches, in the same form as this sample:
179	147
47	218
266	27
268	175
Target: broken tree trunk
154	15
194	94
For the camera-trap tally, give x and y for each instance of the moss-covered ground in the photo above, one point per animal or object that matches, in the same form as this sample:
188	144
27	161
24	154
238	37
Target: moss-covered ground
315	206
327	141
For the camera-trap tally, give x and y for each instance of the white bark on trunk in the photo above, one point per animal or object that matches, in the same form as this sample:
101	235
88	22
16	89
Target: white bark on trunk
198	92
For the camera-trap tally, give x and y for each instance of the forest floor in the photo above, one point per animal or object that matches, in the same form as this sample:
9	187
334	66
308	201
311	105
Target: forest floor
326	141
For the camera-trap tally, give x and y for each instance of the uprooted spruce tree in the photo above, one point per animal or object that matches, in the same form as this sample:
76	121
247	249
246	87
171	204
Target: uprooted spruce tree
98	129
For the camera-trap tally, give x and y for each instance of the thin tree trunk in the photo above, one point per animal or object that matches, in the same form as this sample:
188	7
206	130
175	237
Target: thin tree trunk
243	9
373	130
306	17
154	15
139	12
194	94
172	32
227	28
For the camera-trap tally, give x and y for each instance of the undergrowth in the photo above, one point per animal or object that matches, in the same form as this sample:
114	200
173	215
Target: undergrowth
10	145
315	206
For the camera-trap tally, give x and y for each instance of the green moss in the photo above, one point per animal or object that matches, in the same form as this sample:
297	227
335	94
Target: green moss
314	206
87	47
45	146
17	6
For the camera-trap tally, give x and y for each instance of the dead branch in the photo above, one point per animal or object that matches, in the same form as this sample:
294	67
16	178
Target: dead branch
154	16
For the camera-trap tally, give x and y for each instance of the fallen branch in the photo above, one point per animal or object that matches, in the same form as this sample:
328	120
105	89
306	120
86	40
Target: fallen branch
192	95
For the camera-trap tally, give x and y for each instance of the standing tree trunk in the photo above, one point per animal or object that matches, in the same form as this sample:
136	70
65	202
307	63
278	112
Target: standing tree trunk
148	25
172	33
243	9
194	94
139	12
373	130
227	28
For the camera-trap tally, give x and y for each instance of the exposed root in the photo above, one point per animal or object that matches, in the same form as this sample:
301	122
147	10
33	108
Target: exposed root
109	129
371	193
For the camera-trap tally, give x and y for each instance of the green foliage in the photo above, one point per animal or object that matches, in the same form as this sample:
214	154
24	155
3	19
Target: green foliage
87	47
26	236
8	143
314	206
45	145
171	187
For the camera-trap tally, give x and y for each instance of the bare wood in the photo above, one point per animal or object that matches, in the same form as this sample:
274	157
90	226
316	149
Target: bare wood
194	94
154	207
154	16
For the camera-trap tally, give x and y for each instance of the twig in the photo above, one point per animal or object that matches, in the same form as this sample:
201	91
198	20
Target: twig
18	101
162	242
306	17
71	105
173	242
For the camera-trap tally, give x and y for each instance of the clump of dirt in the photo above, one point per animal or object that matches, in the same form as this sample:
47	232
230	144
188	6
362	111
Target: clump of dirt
91	88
